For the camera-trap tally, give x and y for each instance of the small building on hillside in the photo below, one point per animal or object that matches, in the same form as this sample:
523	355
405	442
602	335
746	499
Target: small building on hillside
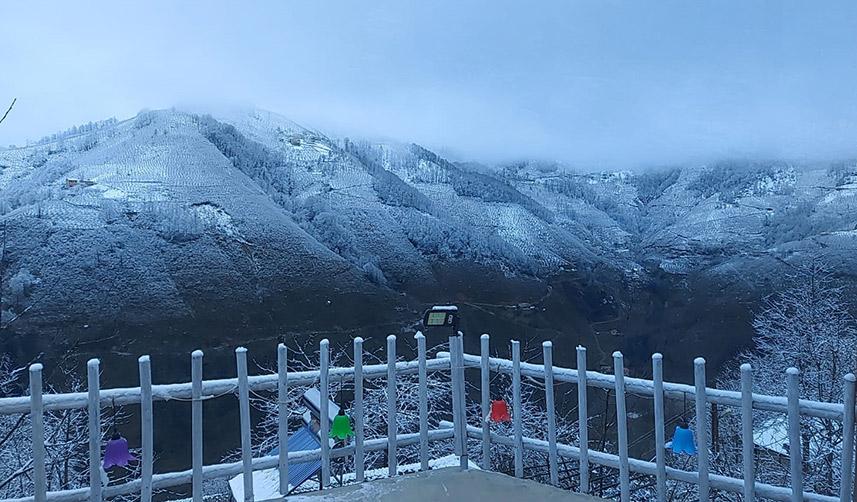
73	182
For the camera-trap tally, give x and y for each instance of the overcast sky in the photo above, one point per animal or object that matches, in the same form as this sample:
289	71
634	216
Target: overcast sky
601	83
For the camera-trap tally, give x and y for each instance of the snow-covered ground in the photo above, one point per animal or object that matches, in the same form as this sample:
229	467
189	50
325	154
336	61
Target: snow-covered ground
447	484
266	483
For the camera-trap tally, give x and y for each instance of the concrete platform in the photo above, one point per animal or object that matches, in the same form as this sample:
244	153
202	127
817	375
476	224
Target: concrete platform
445	484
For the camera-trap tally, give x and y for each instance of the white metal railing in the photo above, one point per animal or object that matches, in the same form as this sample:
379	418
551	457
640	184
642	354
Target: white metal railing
458	430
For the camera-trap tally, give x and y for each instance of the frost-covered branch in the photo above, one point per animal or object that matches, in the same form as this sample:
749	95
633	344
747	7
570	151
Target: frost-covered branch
807	326
14	100
305	357
66	441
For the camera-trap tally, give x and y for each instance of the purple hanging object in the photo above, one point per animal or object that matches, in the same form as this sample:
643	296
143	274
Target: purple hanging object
116	452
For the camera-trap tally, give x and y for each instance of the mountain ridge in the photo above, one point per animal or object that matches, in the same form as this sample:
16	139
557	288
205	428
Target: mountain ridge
238	209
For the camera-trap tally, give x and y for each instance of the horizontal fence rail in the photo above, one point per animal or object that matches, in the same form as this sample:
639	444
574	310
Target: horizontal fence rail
456	433
644	387
225	470
184	391
649	468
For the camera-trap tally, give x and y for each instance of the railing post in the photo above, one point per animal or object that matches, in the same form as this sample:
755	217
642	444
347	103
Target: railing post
553	457
37	420
582	419
795	450
462	402
847	439
392	426
516	408
791	404
423	400
324	410
660	439
453	377
244	412
622	426
358	410
283	416
93	379
196	422
485	388
701	427
747	444
146	429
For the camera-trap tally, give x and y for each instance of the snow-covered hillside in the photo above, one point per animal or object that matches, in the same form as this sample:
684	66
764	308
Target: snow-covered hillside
172	213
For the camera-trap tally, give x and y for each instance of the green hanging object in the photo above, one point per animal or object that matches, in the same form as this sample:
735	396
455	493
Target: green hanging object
341	428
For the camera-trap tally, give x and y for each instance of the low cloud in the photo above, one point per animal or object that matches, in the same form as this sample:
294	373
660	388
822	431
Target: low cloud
606	84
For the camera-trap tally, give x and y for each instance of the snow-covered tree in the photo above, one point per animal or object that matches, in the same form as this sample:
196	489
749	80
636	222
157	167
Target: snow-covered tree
66	441
807	326
407	415
21	284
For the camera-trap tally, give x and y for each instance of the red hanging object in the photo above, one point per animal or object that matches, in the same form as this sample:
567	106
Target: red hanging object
500	412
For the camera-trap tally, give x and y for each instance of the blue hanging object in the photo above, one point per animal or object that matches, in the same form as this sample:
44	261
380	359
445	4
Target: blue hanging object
683	440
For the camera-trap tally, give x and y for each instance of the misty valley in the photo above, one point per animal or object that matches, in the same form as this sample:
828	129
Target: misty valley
384	251
173	231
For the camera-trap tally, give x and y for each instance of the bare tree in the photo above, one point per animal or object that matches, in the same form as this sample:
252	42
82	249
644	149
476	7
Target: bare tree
407	415
374	398
809	327
66	441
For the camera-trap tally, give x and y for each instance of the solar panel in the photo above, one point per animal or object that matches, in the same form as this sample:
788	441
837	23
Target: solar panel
301	440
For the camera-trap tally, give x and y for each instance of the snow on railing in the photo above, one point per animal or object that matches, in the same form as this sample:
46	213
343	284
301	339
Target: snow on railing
455	361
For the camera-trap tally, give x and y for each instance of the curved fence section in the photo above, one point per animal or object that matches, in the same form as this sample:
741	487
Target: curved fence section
460	433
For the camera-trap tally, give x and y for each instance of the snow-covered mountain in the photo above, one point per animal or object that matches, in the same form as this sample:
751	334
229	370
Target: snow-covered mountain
181	217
